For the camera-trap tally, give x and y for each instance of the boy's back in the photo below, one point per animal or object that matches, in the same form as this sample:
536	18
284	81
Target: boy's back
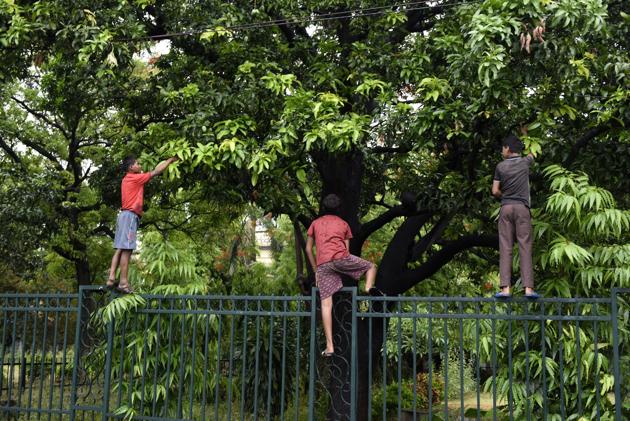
330	233
513	173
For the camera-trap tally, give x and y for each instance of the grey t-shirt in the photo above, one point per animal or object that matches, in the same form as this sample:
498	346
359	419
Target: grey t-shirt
513	173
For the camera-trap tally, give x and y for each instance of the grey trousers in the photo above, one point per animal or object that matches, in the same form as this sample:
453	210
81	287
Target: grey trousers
515	224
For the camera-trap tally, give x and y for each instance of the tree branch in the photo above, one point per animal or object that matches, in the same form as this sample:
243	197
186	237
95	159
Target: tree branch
582	141
377	223
41	116
40	150
387	149
429	239
61	252
5	146
410	278
105	230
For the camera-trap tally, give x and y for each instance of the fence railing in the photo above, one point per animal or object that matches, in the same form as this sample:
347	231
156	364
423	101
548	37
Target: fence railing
98	356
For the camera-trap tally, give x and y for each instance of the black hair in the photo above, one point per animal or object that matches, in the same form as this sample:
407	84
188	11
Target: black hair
127	163
330	204
514	143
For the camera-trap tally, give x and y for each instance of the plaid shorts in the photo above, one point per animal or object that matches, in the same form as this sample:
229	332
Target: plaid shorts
126	230
329	273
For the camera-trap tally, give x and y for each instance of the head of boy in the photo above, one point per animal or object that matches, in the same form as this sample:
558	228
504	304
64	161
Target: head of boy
511	145
330	204
130	164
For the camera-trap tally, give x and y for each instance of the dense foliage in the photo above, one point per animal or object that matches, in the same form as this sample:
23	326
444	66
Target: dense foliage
398	109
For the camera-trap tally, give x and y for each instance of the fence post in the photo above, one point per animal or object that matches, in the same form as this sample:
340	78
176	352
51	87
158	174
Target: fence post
616	361
108	368
311	362
77	355
353	359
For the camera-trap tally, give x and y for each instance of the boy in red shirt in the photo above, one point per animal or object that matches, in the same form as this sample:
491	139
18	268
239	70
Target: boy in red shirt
331	236
132	192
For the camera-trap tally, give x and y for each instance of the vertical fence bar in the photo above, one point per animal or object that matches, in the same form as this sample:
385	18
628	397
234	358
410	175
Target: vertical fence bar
231	361
77	352
527	385
353	359
108	369
430	358
616	360
445	360
561	362
414	363
597	366
191	397
157	358
206	338
510	374
145	357
244	358
54	360
182	345
399	365
169	353
461	358
478	362
494	364
65	355
257	359
218	366
22	379
284	357
579	358
369	361
543	342
43	357
311	362
297	362
270	360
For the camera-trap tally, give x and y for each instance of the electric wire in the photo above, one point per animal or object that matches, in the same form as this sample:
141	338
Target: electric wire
324	17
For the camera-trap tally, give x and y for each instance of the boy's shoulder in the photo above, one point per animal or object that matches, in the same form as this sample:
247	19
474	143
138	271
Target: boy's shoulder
328	219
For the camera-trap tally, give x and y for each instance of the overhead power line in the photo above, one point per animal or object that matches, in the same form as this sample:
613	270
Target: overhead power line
339	15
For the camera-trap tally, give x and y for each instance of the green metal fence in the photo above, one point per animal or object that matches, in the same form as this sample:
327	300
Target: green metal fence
97	356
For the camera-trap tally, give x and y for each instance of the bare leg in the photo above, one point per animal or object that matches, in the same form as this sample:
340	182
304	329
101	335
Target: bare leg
327	304
370	276
112	270
124	267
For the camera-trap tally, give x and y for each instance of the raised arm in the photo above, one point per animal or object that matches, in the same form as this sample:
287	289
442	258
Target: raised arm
159	169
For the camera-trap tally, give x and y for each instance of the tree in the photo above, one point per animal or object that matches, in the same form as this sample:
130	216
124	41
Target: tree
408	102
371	102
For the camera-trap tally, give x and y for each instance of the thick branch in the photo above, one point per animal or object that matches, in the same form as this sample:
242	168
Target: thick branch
410	278
387	149
61	252
105	230
5	146
40	150
377	223
582	141
429	239
41	116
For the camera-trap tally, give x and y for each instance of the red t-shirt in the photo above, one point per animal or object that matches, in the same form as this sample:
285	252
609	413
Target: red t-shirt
330	233
132	189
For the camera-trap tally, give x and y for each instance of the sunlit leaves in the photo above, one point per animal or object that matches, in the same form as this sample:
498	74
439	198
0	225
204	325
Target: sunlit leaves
582	228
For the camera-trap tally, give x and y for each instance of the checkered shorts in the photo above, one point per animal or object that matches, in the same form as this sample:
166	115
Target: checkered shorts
329	273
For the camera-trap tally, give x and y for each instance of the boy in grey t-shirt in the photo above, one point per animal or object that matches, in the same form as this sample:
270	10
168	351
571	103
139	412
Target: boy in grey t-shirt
511	185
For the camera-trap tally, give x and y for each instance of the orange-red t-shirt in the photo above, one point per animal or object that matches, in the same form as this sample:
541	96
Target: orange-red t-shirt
132	189
330	233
